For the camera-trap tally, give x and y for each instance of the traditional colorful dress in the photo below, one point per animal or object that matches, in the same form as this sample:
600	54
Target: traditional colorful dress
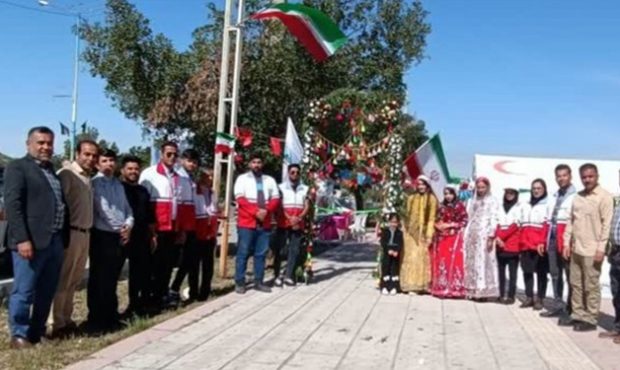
419	222
481	263
448	279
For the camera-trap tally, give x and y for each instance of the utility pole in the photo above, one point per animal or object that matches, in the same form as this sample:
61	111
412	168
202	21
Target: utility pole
74	95
228	104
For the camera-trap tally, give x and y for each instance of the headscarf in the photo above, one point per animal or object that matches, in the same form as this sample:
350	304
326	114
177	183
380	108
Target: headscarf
486	181
509	204
533	200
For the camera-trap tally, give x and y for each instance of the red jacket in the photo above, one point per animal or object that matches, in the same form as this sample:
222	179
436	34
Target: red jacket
508	229
246	196
533	231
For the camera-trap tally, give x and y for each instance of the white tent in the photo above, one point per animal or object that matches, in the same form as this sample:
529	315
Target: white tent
519	172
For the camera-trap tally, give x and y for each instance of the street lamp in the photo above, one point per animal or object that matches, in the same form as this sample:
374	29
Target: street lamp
76	70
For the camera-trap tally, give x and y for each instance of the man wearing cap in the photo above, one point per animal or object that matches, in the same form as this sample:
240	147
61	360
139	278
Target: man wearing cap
257	199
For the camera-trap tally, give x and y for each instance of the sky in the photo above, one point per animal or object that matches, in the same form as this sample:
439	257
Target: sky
527	78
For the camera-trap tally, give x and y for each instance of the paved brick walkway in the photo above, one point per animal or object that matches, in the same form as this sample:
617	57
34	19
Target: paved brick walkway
342	322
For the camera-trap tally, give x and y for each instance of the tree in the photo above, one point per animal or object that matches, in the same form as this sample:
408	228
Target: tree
167	90
141	152
89	133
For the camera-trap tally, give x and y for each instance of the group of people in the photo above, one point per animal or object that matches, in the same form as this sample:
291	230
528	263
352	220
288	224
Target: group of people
157	218
473	250
58	222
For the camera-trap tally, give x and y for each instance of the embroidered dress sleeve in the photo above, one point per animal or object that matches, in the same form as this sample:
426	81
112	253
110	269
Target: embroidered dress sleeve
461	215
493	218
430	230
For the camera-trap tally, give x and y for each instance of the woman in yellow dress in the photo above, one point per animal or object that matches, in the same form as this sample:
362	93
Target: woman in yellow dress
419	222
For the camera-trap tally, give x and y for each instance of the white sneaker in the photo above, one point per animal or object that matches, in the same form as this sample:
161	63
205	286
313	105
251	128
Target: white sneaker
278	282
393	292
384	291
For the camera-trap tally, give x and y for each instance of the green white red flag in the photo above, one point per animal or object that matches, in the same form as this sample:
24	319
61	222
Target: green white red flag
224	143
430	160
312	28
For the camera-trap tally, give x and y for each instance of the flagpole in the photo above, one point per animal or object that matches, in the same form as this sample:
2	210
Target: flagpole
74	98
223	103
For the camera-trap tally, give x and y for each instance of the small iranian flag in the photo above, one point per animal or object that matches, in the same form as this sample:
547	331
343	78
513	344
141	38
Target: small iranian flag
430	160
224	143
312	28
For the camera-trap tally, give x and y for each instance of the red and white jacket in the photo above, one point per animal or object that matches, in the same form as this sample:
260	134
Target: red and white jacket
206	214
172	195
293	203
562	217
246	197
533	230
508	229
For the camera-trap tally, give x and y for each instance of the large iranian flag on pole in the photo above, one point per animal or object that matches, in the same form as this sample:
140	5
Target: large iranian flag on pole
312	28
430	160
224	143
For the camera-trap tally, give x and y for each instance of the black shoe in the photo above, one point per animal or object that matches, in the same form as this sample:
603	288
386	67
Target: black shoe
538	305
584	326
260	287
20	343
551	313
172	300
509	301
566	321
528	303
239	289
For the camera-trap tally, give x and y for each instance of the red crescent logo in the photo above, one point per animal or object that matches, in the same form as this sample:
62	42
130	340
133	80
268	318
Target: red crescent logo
499	167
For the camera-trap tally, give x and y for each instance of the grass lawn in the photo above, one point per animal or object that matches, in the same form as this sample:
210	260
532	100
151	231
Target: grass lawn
59	353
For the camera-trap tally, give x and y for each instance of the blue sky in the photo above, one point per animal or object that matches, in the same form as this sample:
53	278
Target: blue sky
535	78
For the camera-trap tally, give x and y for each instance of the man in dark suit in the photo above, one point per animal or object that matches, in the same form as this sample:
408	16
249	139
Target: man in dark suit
38	232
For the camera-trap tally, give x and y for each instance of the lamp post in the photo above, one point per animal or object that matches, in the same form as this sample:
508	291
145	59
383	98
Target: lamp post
76	74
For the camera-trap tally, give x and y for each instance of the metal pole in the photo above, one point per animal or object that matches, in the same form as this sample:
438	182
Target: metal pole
74	98
233	124
221	119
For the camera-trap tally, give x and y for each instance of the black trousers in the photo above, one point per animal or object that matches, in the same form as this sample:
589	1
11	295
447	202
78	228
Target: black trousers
188	262
140	269
197	255
614	275
205	253
165	258
278	247
106	260
558	266
510	260
532	262
390	271
287	242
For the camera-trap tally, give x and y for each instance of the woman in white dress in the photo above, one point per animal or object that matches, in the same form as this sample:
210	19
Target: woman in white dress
481	280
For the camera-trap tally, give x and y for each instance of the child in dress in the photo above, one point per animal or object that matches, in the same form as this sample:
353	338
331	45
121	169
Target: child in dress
392	244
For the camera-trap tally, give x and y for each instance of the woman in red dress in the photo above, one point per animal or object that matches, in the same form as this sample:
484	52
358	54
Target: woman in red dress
447	253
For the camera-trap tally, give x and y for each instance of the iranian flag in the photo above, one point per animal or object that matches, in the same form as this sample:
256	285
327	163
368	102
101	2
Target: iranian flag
430	160
224	143
312	28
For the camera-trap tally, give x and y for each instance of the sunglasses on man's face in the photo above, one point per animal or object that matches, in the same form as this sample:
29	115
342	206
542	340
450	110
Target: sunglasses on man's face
293	173
171	154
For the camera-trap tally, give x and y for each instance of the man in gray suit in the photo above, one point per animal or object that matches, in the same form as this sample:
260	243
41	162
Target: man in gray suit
38	232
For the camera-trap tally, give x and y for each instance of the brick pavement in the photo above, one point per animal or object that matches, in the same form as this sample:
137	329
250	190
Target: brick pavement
341	321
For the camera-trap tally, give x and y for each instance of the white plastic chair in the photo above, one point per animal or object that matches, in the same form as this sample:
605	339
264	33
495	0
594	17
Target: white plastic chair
358	229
